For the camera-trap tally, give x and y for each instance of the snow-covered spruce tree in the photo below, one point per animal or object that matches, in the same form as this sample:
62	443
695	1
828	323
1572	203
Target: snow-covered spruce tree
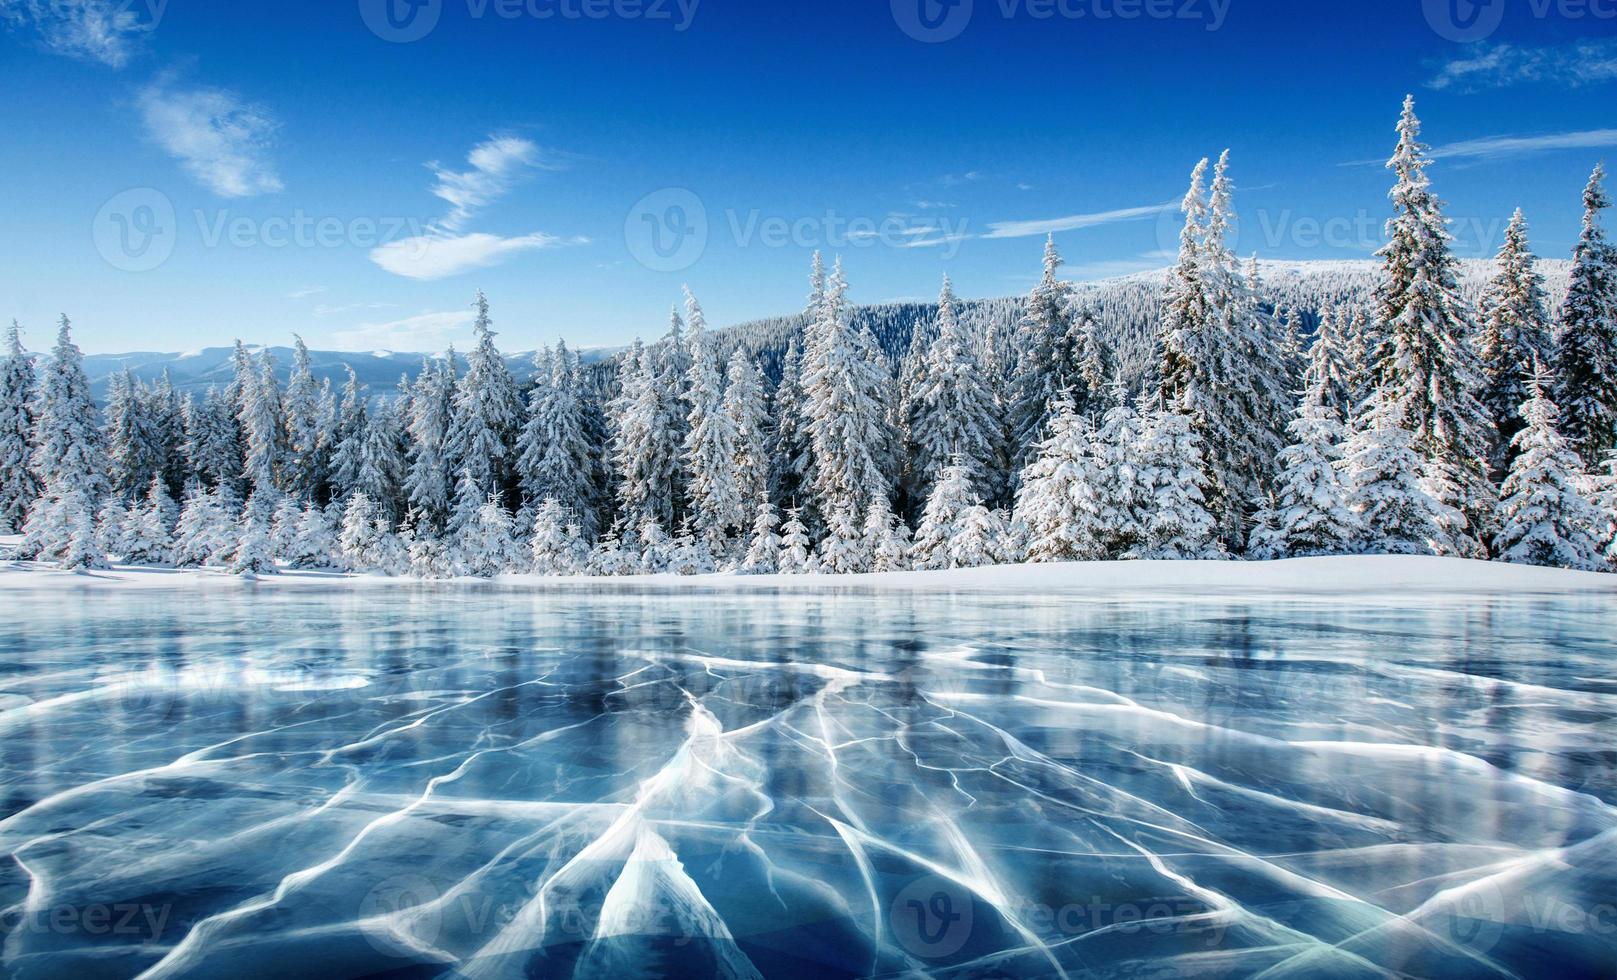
195	535
552	549
1515	335
19	487
486	413
488	547
132	453
315	545
284	526
358	539
1586	353
1044	366
1385	489
1310	515
645	456
1095	369
353	429
843	551
610	556
943	518
380	470
748	411
718	510
791	452
1177	524
262	426
304	469
112	527
1330	369
1011	548
763	550
427	486
656	548
1123	489
978	538
1057	501
68	460
149	534
1188	343
1544	518
845	390
689	554
168	429
211	439
555	451
796	548
887	537
1427	362
253	555
950	408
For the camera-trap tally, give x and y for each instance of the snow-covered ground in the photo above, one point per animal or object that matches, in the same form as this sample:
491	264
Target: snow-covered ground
1360	575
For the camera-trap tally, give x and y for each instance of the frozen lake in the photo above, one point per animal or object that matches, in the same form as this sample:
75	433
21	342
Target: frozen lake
414	782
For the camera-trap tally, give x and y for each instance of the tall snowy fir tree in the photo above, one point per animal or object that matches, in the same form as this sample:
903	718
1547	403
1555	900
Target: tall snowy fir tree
1057	503
1186	341
645	456
1310	515
1428	364
1544	518
487	408
555	451
1330	368
1385	490
747	409
951	410
844	392
261	426
304	464
1515	335
69	460
18	484
353	430
427	485
1044	367
132	452
1586	355
792	452
718	511
1176	523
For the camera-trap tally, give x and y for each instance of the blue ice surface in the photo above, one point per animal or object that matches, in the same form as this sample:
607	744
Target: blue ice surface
485	782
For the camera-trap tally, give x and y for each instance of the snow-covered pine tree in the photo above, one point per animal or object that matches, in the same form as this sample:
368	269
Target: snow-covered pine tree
1329	370
1187	337
611	558
132	453
315	545
643	477
194	534
796	548
845	392
1427	361
1122	488
427	486
1177	524
68	450
353	429
168	429
1385	488
64	526
19	487
304	463
1044	367
950	408
718	510
1058	502
555	453
792	452
253	555
112	527
1586	353
358	540
843	550
262	424
763	549
1544	518
748	411
1011	547
552	549
887	537
1515	335
1310	515
380	471
976	542
486	413
689	554
284	526
210	438
149	535
656	548
943	519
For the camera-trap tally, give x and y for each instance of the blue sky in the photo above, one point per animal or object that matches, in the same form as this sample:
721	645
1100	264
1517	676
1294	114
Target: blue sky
181	173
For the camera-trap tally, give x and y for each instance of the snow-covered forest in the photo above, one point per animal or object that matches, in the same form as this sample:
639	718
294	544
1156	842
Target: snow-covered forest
1215	412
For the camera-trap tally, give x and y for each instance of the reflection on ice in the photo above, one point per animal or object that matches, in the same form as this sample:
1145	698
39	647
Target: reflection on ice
498	784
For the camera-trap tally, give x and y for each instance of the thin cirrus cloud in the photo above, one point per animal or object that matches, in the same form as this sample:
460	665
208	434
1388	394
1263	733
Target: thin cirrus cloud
106	31
1575	65
1050	226
222	141
497	165
1488	148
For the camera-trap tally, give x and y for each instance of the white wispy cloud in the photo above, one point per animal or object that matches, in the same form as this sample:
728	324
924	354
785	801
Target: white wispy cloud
497	164
107	31
220	140
1574	65
1494	147
423	332
439	255
306	292
1048	226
